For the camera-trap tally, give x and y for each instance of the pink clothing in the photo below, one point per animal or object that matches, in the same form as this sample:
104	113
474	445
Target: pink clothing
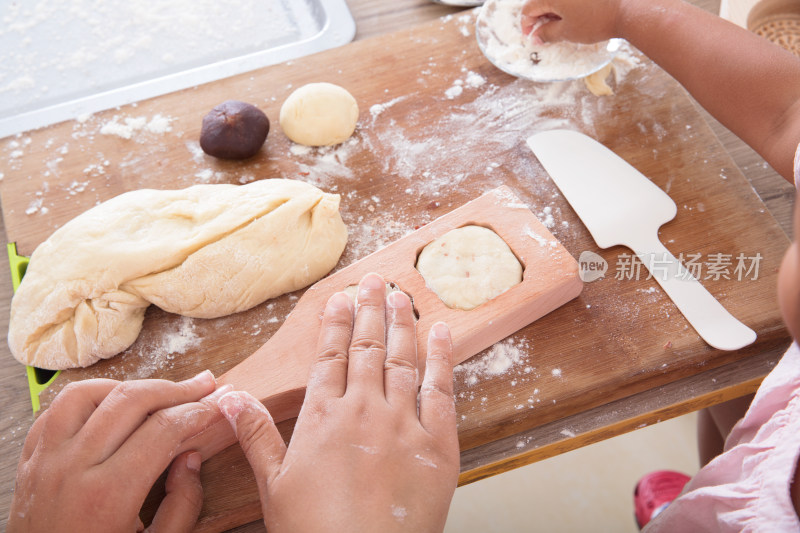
746	488
797	168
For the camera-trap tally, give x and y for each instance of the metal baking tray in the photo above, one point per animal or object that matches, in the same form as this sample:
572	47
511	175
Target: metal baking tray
65	60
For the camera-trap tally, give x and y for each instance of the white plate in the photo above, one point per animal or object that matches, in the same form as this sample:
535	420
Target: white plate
500	38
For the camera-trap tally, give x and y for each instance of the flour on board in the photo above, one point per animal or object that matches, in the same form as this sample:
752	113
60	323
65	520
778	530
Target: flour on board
127	127
500	359
158	354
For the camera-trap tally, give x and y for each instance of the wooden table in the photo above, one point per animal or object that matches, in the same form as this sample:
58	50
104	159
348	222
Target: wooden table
713	386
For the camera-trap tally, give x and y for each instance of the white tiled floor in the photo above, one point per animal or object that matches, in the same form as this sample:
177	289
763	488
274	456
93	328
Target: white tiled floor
589	489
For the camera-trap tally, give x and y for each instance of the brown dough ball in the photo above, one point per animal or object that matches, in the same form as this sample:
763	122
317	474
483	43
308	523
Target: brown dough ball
234	130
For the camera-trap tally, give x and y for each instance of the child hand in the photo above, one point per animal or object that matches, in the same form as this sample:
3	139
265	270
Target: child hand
580	21
362	458
90	460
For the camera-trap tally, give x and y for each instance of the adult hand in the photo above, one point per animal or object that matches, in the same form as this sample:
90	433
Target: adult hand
90	460
365	455
581	21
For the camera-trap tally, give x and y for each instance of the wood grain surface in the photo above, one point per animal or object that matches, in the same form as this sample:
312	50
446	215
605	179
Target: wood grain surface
432	135
549	280
277	372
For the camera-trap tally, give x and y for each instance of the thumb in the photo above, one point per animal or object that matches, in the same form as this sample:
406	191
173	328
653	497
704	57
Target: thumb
181	506
259	438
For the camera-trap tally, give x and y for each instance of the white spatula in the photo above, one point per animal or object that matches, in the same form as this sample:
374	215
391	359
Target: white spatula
620	206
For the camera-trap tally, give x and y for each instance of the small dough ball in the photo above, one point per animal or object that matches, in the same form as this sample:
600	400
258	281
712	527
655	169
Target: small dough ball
596	82
319	114
468	266
234	130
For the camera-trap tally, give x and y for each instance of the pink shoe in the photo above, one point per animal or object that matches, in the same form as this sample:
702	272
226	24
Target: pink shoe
654	492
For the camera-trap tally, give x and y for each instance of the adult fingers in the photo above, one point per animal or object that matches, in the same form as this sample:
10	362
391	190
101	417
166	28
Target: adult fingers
181	507
436	404
400	366
259	438
68	413
130	403
151	448
368	344
328	375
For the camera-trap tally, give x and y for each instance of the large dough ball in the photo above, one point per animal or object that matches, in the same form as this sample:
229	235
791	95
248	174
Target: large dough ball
319	114
205	251
468	266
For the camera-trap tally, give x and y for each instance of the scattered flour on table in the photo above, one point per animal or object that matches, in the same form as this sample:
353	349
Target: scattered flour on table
197	153
95	169
624	62
71	190
472	80
455	90
522	442
164	349
14	150
211	175
318	164
542	241
13	431
378	227
465	22
208	175
509	359
127	127
76	187
300	149
37	204
377	109
429	154
36	207
651	295
501	358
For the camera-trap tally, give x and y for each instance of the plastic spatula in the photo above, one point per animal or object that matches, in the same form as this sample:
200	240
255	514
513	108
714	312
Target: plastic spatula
620	206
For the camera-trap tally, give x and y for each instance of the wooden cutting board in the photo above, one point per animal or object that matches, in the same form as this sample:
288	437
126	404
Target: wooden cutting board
439	125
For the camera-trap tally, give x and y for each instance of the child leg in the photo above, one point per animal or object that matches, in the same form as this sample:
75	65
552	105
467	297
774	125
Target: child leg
715	423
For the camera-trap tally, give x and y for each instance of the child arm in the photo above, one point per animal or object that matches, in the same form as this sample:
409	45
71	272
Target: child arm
749	84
